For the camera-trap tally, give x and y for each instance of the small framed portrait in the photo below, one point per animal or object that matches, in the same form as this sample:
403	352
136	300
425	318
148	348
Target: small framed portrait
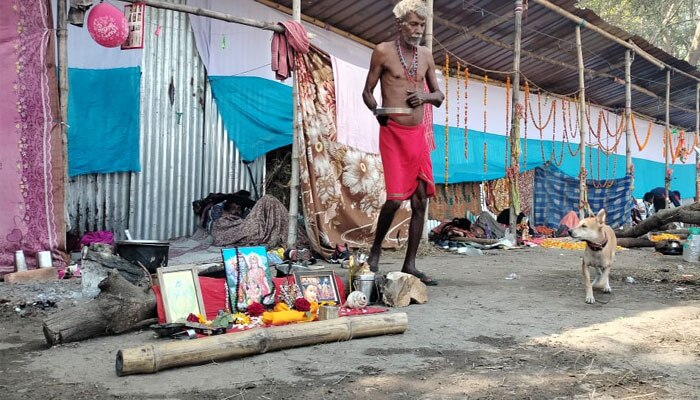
318	286
179	287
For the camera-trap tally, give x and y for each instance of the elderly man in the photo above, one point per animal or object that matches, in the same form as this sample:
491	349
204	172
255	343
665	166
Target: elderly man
404	66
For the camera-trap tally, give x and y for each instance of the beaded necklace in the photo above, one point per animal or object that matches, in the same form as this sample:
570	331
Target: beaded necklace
412	70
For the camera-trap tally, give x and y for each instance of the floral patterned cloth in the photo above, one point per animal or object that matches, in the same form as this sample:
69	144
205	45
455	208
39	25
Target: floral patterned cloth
31	160
342	188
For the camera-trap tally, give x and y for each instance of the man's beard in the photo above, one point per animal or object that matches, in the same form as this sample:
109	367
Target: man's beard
415	40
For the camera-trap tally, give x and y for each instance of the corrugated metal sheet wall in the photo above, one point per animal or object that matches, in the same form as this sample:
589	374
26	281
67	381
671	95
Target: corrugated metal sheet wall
185	150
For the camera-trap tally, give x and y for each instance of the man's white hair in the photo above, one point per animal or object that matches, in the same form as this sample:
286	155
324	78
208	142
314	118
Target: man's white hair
407	6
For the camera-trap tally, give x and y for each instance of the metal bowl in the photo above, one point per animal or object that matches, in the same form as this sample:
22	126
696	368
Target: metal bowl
392	111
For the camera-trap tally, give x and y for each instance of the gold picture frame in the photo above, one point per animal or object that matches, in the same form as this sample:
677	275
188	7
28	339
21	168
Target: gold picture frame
181	293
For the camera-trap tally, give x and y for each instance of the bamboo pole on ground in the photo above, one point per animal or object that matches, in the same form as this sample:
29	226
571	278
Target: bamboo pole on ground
667	137
159	356
583	195
296	139
628	116
515	121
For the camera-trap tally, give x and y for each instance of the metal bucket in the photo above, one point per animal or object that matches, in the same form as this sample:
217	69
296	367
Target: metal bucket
366	285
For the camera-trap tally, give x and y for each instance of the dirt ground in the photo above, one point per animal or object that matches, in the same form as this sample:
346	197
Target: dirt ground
480	336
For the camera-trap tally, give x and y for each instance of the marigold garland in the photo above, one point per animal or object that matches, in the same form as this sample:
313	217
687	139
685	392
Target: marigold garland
466	110
486	91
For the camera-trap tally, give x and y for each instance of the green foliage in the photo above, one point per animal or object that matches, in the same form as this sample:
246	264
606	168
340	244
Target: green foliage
666	24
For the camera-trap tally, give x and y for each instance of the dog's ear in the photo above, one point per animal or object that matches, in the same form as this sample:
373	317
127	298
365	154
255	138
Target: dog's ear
601	216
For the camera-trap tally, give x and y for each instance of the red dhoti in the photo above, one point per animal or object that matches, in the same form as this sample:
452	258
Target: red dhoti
405	156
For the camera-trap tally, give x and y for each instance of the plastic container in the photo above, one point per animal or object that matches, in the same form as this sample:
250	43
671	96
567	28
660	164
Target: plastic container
691	249
20	262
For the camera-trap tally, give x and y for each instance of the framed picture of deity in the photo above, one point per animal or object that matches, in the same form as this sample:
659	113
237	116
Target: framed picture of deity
182	296
318	286
248	275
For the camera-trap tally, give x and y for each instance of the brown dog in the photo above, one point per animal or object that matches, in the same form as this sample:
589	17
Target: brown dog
601	244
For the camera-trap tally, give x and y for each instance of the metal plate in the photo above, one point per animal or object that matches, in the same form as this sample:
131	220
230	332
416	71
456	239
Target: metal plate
392	111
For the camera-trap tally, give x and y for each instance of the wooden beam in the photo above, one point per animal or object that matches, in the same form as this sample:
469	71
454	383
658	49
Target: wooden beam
203	12
515	124
318	23
158	356
582	22
583	126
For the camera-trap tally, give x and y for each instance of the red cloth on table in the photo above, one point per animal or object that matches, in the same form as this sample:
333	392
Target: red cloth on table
406	159
214	295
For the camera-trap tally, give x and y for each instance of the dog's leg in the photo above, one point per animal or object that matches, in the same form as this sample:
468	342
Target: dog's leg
597	282
605	280
587	284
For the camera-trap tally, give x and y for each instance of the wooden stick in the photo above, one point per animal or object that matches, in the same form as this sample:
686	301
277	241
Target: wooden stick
159	356
203	12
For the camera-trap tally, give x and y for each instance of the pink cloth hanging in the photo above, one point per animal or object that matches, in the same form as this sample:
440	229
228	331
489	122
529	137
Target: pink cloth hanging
285	46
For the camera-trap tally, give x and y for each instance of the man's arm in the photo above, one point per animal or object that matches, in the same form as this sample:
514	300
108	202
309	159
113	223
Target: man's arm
435	97
373	75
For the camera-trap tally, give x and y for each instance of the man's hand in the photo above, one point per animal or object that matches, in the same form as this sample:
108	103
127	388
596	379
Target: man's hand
415	99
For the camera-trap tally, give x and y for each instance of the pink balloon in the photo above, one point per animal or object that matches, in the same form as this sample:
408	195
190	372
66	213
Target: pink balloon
107	25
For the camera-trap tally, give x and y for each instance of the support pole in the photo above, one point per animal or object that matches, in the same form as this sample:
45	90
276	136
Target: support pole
628	115
62	67
583	196
296	139
203	12
697	140
515	122
667	136
429	44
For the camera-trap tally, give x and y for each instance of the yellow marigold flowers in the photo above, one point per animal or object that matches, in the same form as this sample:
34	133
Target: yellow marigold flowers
663	236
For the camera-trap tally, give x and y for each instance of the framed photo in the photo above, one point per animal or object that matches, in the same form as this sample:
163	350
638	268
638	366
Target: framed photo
318	286
179	287
248	275
135	20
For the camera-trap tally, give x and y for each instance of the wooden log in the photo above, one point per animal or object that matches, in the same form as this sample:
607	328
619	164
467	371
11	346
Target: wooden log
119	307
688	214
635	242
159	356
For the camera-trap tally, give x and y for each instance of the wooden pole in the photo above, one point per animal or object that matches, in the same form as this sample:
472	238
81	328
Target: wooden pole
628	115
429	44
667	136
697	140
582	22
583	196
159	356
296	145
515	121
535	56
203	12
62	67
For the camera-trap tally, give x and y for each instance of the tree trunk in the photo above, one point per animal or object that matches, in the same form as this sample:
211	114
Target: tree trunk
688	214
119	307
694	51
635	242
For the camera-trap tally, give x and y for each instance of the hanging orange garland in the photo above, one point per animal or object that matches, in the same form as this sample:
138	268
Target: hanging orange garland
527	101
447	117
641	146
486	91
466	111
507	133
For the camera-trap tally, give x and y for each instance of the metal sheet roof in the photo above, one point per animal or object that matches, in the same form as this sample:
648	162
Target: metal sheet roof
481	33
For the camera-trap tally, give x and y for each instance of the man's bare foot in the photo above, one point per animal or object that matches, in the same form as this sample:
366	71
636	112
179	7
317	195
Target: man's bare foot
427	280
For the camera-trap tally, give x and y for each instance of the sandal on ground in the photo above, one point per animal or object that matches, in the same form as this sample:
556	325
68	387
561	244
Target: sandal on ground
428	281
